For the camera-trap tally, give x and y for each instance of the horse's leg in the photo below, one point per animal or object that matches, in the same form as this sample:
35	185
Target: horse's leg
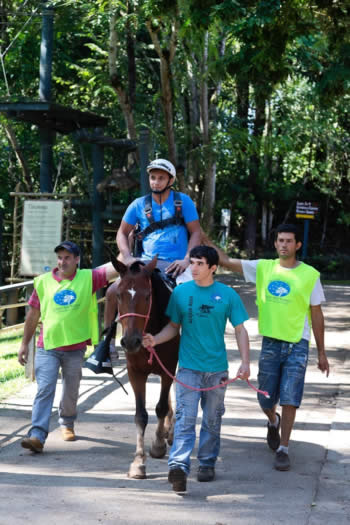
137	468
158	448
169	422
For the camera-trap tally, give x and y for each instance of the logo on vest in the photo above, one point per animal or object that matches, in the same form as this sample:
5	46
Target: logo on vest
278	288
65	297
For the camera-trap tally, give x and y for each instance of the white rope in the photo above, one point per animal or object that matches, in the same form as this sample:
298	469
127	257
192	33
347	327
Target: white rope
19	32
4	72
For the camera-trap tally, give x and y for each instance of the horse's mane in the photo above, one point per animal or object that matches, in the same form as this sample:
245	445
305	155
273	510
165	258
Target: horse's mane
136	266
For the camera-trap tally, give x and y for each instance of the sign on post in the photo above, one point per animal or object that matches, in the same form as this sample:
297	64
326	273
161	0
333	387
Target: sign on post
306	210
41	233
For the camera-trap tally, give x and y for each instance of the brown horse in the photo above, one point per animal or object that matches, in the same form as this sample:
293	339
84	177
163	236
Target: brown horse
139	307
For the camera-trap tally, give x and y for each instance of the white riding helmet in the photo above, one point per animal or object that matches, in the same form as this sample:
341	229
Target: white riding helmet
162	164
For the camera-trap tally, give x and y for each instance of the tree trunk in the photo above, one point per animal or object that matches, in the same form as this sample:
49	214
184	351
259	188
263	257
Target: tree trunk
268	168
20	157
192	119
242	103
166	57
125	96
208	121
264	214
209	187
254	166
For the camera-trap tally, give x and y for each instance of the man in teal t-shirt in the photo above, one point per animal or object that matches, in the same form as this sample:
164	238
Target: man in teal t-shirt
201	307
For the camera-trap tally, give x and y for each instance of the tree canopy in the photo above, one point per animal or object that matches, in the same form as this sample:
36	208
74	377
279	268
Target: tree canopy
249	99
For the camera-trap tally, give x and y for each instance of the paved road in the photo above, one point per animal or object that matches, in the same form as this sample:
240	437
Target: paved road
85	482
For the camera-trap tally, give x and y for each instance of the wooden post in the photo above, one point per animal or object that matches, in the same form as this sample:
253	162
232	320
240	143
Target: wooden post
29	367
14	235
12	313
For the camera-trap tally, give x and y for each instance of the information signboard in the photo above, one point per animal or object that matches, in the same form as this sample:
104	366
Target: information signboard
41	233
306	210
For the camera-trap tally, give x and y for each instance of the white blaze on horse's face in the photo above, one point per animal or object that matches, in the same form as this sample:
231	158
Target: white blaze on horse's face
132	292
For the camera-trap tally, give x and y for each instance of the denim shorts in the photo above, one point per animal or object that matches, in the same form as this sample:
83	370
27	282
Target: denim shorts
282	368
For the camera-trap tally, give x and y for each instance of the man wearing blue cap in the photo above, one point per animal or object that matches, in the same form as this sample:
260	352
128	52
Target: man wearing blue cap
65	300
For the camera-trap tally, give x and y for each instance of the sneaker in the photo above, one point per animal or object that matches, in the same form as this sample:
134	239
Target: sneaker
273	434
178	479
282	461
67	434
32	443
206	474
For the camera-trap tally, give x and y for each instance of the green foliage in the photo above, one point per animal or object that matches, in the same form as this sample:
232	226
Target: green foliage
11	372
292	57
332	267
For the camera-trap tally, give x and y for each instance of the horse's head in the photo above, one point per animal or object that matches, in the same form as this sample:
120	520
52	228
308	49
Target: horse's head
134	296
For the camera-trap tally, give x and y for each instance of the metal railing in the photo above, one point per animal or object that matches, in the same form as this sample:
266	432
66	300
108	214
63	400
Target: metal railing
29	367
8	305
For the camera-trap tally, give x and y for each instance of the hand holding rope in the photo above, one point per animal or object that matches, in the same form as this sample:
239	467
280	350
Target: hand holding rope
154	353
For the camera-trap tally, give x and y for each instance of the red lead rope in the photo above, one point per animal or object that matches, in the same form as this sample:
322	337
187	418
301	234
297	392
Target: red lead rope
154	353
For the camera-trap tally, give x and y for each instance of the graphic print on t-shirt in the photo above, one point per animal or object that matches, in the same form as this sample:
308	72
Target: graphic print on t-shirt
204	310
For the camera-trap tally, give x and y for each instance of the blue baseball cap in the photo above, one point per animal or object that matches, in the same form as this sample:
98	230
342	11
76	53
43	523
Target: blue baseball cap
70	247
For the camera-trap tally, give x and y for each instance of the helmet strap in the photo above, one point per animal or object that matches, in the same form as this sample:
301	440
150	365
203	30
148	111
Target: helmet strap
159	192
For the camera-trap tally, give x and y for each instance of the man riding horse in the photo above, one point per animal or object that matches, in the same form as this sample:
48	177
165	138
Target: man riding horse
166	224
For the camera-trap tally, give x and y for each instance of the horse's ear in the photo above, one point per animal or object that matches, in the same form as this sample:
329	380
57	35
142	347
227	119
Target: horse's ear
151	265
119	266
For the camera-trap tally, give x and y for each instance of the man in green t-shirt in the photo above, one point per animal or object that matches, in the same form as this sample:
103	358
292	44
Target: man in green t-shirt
289	297
201	307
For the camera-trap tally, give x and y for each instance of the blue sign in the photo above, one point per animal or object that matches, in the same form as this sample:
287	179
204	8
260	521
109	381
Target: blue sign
65	297
278	288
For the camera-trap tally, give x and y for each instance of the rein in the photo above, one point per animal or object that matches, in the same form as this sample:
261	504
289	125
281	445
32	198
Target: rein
154	353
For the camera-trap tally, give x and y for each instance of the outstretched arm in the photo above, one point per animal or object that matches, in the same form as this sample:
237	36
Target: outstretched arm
317	320
243	347
168	332
234	265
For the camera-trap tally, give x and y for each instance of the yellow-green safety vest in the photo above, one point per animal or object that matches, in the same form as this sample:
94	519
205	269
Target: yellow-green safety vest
283	299
68	309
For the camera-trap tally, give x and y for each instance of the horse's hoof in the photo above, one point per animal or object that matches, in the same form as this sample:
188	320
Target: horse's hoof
157	451
137	472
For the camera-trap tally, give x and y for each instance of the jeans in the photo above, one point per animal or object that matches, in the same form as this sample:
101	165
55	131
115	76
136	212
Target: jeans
187	401
47	365
282	368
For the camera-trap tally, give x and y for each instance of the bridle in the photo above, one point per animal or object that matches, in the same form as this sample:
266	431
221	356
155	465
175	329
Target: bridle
134	314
